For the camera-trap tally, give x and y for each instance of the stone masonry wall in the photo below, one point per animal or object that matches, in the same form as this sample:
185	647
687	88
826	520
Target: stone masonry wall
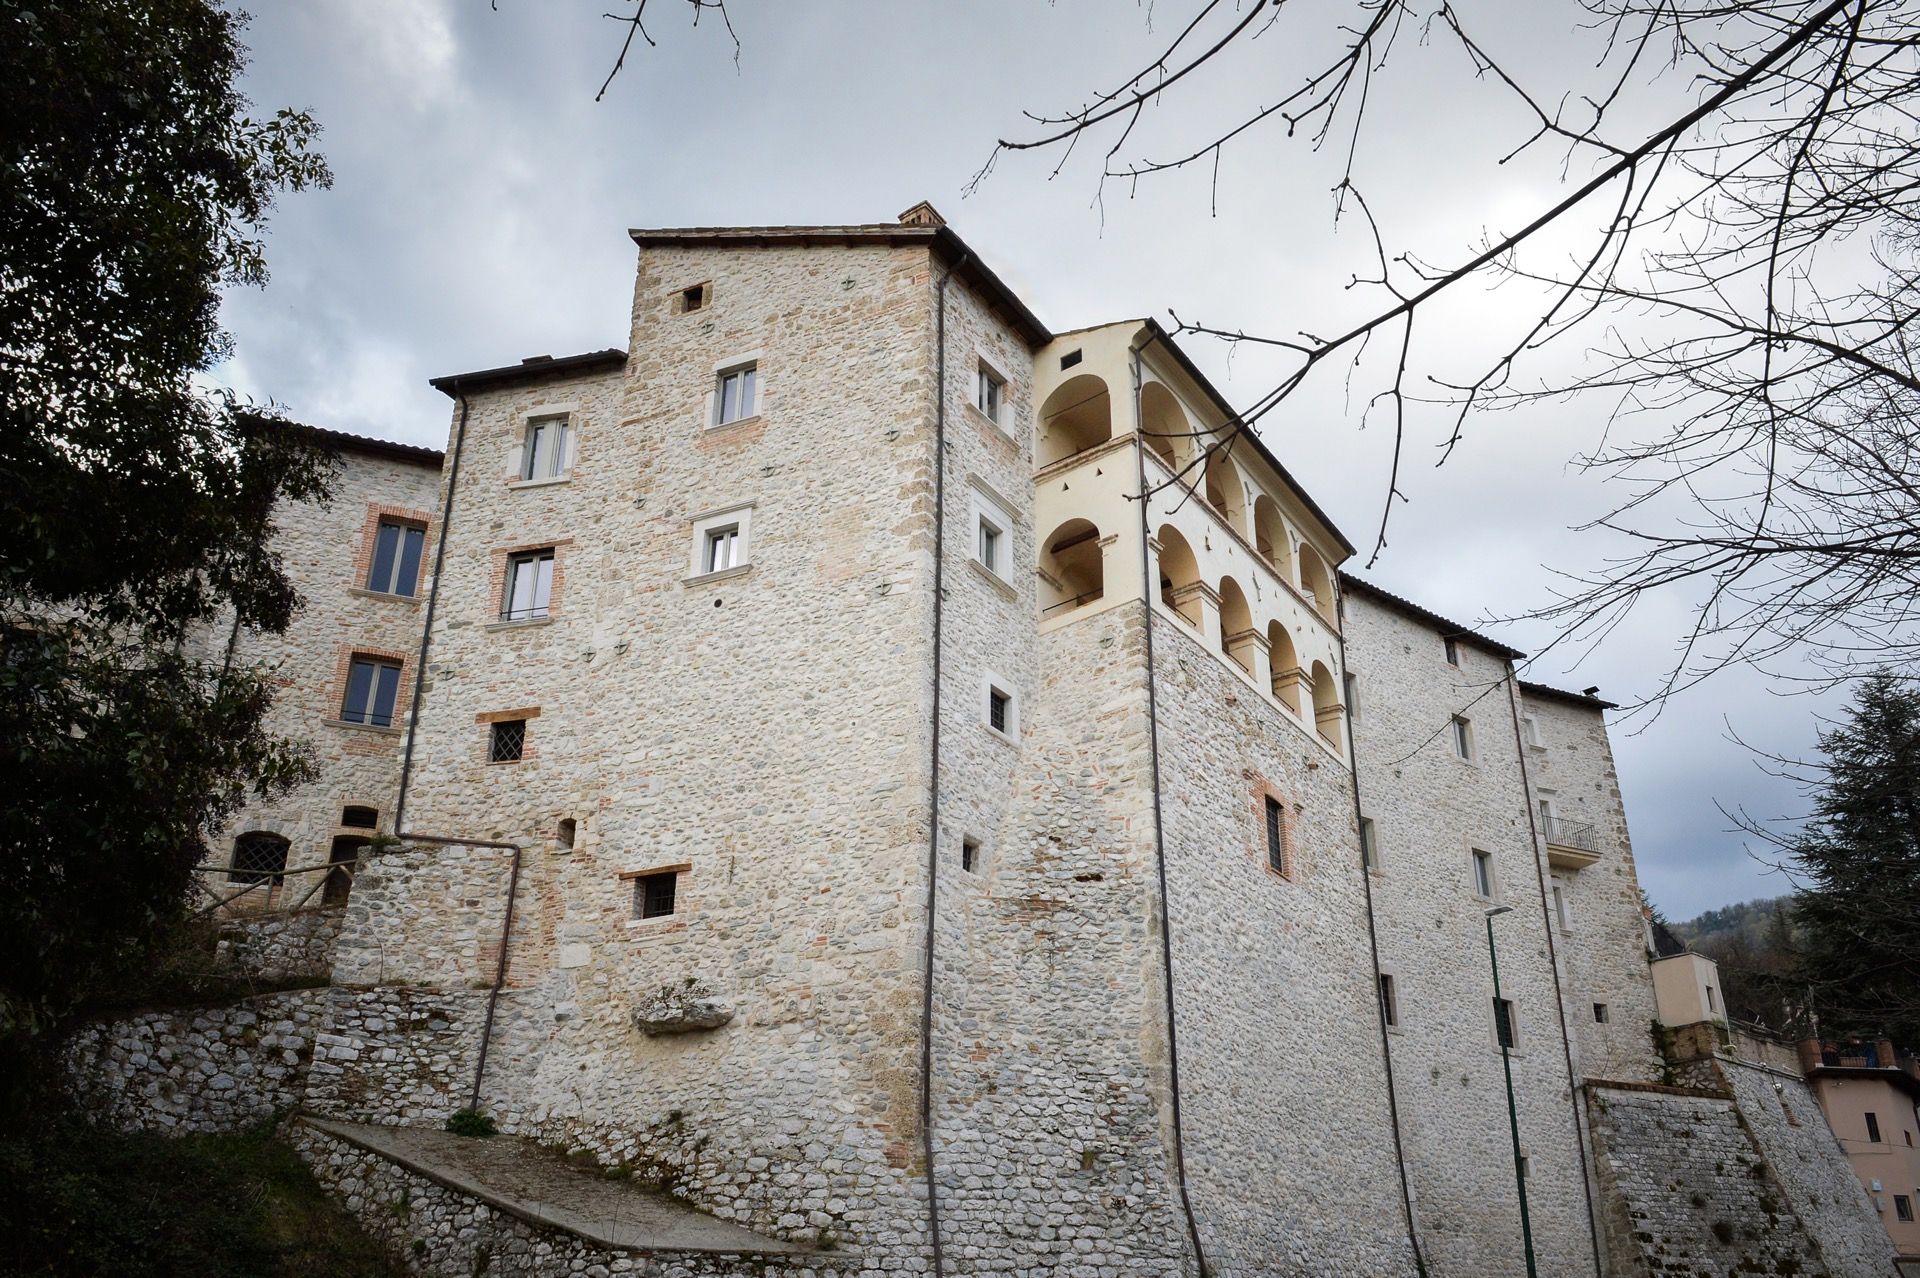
198	1069
323	549
282	947
761	733
1431	809
1602	941
396	1056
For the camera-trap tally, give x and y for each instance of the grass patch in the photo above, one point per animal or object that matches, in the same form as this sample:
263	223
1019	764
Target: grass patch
82	1200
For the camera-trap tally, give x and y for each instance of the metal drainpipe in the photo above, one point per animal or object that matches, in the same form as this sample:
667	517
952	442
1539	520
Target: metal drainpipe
1373	943
1159	835
506	938
433	599
933	782
1553	963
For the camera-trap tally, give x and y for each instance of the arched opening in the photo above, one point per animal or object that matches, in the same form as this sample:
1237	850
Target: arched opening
1326	705
1070	567
1163	424
1236	618
1315	580
1270	533
1077	416
1178	570
1286	666
258	857
1224	490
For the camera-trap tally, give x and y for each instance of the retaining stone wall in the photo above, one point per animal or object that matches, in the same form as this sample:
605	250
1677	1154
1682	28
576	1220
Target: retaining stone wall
396	1056
282	947
198	1070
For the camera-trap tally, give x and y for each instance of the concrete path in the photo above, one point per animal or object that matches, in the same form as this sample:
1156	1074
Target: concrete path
520	1178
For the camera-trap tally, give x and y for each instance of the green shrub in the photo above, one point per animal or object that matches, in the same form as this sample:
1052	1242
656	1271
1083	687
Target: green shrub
471	1122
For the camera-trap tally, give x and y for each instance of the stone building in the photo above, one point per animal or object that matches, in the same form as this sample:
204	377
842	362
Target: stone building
920	785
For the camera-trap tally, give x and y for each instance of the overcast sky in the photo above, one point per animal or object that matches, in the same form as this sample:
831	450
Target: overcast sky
481	200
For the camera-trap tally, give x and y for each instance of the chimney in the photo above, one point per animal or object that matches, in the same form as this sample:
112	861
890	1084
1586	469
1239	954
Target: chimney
922	214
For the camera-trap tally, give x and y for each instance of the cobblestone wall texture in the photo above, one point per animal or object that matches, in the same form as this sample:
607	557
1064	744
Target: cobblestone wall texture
1431	809
197	1070
395	1056
281	947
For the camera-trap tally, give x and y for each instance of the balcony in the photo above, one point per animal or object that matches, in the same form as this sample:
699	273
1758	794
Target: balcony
1571	845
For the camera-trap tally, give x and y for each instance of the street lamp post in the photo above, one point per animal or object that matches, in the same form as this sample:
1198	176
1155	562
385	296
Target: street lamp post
1505	1035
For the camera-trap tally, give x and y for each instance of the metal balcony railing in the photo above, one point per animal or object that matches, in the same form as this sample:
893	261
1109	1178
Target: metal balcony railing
1580	836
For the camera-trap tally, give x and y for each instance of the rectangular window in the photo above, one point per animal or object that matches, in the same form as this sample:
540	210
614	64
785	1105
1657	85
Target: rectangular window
1389	1001
692	299
1713	1004
396	558
722	549
1873	1128
970	855
653	894
1503	1026
988	546
1276	836
1600	1013
529	586
1352	682
733	397
1462	737
1530	730
372	688
508	741
545	456
1560	906
1902	1207
1453	650
1483	873
999	709
988	394
1369	850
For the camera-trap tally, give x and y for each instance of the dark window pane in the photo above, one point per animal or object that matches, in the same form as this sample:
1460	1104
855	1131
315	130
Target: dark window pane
412	542
509	740
359	691
1276	847
258	857
386	544
386	691
656	892
997	710
361	818
1503	1021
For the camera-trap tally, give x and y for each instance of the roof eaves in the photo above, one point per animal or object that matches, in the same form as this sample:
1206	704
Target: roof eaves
587	362
1561	694
1451	629
1192	370
344	442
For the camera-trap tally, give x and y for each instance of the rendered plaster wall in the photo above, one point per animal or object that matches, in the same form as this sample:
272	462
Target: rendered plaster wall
1601	941
1431	809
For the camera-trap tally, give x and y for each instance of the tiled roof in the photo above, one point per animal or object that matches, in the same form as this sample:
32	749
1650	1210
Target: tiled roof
1452	629
534	366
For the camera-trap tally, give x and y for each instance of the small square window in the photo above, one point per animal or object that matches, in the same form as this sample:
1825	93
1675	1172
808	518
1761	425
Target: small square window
989	393
529	590
1276	836
722	549
1483	873
970	855
373	686
1453	650
1504	1028
1389	1001
507	741
396	558
1462	737
653	894
1600	1014
1369	849
734	395
693	298
545	454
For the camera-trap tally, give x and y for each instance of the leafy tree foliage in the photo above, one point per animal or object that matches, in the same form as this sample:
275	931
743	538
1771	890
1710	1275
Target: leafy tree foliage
136	511
1858	913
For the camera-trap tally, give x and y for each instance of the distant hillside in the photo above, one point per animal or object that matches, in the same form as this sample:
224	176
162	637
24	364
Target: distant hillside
1753	943
1749	922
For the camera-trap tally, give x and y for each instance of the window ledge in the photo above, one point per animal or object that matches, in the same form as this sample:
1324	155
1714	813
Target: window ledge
703	578
754	420
994	579
527	624
973	411
387	596
547	482
1002	737
351	726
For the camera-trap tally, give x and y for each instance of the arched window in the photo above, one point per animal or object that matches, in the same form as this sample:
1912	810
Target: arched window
258	857
1326	705
1163	424
1315	580
1225	492
1071	568
1236	618
1076	417
1178	570
1269	533
1286	666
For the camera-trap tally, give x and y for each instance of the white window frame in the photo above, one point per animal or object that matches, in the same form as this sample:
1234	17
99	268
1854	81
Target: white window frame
1558	891
1351	686
518	460
532	559
1530	731
987	366
989	512
739	518
1487	889
723	369
1370	846
989	685
1460	734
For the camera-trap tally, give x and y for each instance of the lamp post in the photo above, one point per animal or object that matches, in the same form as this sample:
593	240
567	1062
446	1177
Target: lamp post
1505	1034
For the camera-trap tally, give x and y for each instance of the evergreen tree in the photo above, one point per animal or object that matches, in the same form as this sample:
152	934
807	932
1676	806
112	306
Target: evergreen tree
1858	914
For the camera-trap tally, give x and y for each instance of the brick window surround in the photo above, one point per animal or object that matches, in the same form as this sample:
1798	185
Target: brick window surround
1264	790
369	534
683	897
497	579
343	663
529	746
